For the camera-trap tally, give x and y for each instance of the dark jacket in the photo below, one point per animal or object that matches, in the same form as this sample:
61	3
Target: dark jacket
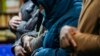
57	14
31	19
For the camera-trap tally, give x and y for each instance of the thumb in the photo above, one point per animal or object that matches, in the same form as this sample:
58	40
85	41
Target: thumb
20	15
29	46
23	50
30	38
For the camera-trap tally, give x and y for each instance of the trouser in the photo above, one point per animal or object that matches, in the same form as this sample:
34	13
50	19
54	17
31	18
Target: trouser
51	52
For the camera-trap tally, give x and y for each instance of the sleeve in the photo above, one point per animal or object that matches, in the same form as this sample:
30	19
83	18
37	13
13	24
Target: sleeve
87	42
33	34
18	42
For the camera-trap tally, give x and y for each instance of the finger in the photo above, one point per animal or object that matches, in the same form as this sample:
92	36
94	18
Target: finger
19	54
72	32
24	44
67	41
15	25
14	28
22	54
29	46
17	22
20	15
71	40
64	42
23	50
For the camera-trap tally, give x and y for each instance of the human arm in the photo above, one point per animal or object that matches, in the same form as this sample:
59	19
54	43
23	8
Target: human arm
14	22
17	48
84	41
87	42
32	42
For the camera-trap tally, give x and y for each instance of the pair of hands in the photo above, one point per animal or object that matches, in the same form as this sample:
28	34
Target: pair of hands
67	37
66	40
27	47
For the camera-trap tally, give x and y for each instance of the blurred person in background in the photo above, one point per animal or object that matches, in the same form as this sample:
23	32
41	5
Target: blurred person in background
24	24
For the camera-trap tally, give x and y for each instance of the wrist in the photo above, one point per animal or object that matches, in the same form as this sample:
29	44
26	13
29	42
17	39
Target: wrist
17	46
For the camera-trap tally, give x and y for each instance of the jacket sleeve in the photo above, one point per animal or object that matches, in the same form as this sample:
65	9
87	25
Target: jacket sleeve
18	42
87	42
32	33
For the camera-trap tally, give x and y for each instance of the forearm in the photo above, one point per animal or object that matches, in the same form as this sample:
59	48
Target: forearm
87	42
37	42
